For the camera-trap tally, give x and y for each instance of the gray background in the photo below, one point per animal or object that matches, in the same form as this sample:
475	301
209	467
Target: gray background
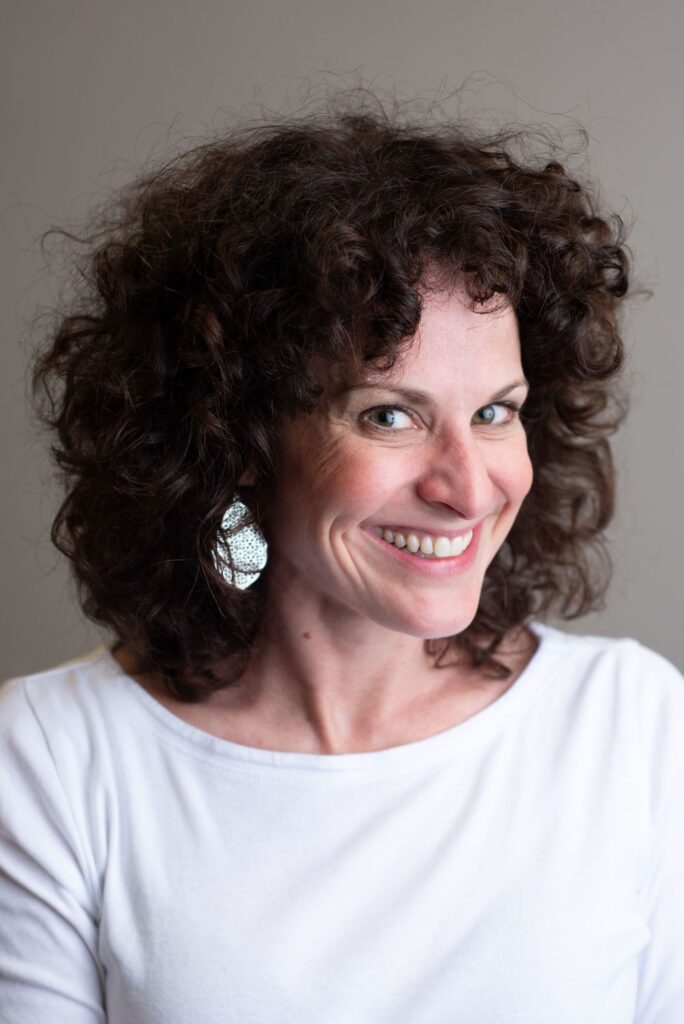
92	89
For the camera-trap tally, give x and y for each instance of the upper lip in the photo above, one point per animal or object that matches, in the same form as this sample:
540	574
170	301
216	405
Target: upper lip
430	531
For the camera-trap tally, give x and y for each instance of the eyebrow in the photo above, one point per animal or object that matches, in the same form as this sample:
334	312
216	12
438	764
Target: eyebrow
422	397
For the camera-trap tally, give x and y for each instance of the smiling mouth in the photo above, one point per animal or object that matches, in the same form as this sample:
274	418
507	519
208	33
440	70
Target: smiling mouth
425	546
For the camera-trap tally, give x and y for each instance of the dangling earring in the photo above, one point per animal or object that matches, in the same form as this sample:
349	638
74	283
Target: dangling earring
246	548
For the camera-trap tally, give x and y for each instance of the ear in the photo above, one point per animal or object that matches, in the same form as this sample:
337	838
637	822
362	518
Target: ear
247	479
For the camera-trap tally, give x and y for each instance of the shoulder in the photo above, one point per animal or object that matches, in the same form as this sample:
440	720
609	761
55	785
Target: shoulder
62	735
622	675
621	658
60	714
53	756
65	686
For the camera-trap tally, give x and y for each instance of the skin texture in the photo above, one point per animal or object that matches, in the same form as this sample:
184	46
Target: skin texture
341	666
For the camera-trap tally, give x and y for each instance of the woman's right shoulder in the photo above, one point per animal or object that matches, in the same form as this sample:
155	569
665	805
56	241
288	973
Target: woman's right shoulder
61	705
56	758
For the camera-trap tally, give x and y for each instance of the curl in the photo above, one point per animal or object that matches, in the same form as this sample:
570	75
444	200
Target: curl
226	290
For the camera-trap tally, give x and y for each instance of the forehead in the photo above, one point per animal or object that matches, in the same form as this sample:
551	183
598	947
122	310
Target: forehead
452	327
455	346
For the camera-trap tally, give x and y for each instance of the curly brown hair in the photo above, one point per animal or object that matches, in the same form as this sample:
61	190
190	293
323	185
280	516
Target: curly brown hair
217	286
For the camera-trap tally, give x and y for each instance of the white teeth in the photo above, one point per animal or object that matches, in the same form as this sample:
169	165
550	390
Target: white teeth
428	547
442	547
459	544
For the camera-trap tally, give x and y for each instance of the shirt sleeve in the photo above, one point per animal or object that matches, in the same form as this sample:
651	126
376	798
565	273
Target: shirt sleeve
49	967
660	998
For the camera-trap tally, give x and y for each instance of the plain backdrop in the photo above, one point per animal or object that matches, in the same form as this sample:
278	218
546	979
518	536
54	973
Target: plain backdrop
93	88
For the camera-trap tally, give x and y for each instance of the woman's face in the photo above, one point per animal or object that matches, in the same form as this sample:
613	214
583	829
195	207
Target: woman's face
436	449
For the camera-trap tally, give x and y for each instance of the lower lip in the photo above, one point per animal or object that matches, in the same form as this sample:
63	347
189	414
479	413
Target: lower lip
430	566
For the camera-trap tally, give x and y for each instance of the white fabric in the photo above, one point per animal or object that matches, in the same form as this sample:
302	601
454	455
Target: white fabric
523	867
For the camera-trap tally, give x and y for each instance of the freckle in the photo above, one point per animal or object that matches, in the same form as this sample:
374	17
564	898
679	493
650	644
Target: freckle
307	636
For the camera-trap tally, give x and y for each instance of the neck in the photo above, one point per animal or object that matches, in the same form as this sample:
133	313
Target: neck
333	683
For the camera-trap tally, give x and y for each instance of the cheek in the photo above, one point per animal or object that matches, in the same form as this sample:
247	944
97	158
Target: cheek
358	486
331	481
515	473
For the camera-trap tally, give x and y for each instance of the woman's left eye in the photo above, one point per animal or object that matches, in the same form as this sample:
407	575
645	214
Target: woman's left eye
496	413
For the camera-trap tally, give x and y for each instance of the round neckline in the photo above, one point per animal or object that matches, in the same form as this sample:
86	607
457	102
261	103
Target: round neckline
406	756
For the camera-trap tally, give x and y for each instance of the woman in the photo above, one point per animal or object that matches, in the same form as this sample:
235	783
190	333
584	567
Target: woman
347	774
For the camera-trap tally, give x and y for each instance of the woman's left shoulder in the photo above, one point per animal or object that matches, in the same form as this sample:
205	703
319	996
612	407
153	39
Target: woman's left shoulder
624	666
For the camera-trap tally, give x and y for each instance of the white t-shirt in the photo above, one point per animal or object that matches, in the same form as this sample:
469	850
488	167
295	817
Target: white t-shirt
523	867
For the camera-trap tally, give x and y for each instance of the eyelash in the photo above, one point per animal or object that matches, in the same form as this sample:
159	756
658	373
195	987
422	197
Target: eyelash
511	406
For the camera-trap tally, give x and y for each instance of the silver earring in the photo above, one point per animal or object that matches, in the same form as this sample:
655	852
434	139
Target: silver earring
247	548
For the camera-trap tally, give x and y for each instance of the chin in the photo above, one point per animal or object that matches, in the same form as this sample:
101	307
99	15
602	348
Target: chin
430	626
440	632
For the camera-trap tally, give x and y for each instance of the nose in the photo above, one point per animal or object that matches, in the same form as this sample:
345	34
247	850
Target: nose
458	477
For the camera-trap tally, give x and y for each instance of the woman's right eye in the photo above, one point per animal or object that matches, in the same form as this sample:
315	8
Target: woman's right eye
391	414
